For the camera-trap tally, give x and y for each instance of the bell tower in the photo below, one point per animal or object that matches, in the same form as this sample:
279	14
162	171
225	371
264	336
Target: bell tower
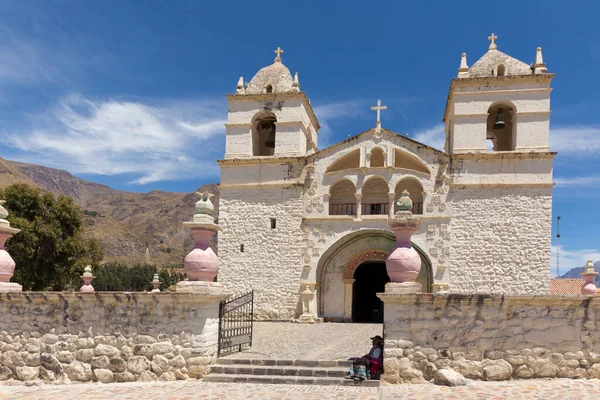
499	104
270	117
497	123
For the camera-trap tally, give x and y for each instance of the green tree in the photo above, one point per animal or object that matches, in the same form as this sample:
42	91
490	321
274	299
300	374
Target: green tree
52	249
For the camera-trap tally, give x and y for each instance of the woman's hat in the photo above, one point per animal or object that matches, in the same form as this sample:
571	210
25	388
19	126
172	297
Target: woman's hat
377	338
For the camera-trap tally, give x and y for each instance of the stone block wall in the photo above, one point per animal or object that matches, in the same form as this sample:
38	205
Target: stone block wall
500	240
106	337
490	337
271	260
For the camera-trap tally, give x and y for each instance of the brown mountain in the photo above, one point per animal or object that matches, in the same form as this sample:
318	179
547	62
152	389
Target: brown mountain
125	223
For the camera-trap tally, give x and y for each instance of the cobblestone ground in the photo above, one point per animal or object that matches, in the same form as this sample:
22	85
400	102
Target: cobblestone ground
327	341
561	389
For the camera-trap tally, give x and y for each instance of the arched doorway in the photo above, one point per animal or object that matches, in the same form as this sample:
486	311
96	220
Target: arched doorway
338	272
369	279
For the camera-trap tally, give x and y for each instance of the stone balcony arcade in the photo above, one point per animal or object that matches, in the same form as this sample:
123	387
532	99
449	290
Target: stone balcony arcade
374	198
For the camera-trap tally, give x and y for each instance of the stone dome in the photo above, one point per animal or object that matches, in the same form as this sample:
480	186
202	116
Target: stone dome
277	75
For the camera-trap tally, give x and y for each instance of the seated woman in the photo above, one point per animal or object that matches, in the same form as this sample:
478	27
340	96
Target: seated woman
370	365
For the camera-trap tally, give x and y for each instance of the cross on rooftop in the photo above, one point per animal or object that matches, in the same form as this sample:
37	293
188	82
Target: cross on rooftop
491	39
378	108
278	52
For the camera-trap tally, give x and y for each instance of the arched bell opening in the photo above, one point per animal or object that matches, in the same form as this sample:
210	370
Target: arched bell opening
263	133
501	129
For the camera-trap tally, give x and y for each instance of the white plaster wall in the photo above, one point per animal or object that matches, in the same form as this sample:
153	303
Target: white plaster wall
271	263
256	173
500	239
503	169
287	109
468	114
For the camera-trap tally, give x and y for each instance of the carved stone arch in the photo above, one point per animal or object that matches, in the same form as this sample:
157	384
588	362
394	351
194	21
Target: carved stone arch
361	257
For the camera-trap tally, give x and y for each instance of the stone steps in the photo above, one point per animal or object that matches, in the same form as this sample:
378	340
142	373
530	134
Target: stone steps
299	372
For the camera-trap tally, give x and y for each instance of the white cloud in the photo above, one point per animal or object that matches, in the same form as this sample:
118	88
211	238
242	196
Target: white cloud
576	181
575	140
155	142
572	258
329	112
434	136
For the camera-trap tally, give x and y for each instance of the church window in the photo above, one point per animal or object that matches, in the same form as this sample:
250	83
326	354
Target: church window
269	88
273	223
377	158
342	200
501	127
375	199
264	133
415	192
241	248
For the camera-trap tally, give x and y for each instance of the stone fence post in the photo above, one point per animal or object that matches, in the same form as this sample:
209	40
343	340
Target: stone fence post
7	264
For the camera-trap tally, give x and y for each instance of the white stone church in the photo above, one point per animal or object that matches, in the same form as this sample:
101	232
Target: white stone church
307	228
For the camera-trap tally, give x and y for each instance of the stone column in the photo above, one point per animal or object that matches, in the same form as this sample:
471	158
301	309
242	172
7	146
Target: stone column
202	264
589	275
358	198
404	263
348	284
7	264
391	197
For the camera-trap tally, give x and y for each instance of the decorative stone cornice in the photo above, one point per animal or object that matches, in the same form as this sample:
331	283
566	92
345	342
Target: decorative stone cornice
505	155
490	299
227	162
458	185
278	96
493	81
286	184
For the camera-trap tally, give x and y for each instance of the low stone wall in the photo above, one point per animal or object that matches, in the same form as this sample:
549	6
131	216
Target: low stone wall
490	337
106	337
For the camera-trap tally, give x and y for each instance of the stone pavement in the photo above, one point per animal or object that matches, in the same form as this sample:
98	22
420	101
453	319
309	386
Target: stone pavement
326	341
560	389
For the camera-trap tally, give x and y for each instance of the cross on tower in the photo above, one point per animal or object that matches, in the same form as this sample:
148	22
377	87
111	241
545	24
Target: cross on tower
378	108
278	52
491	39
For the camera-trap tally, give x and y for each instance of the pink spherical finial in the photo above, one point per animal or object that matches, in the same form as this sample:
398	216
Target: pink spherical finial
404	263
87	280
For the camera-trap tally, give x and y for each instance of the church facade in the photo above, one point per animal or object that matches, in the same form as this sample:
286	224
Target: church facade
307	228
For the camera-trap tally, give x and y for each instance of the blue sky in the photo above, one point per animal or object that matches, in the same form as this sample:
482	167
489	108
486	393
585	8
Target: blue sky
131	93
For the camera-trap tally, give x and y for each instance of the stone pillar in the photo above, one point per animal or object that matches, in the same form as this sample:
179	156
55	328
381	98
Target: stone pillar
307	297
155	284
201	264
404	263
589	275
358	198
87	280
7	264
348	284
391	197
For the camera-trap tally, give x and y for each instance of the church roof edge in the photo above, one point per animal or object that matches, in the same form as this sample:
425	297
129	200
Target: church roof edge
355	137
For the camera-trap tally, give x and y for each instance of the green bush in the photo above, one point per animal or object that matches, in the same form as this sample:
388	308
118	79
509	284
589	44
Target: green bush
116	277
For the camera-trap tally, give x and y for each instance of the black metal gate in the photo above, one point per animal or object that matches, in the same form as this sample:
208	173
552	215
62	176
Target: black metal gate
235	324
